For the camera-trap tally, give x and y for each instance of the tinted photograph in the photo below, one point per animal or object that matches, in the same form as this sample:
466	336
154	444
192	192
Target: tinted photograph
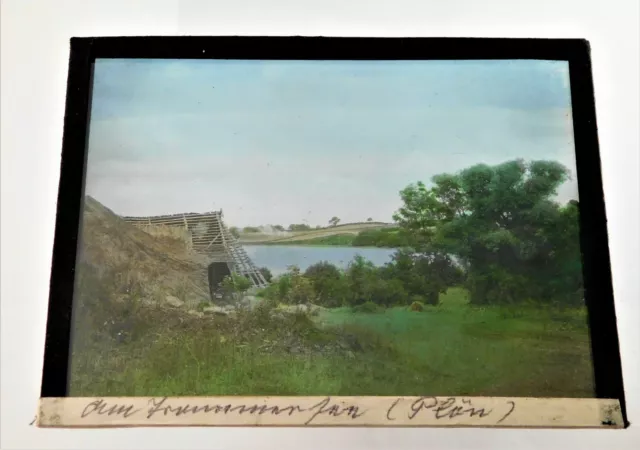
345	228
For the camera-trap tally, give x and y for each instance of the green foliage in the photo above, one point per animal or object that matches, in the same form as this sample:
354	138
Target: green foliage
234	286
202	305
278	227
251	230
235	232
384	237
301	289
342	240
299	227
328	283
367	307
500	222
334	221
266	273
416	306
525	352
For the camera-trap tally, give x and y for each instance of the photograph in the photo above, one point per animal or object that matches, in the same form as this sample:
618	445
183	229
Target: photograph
330	228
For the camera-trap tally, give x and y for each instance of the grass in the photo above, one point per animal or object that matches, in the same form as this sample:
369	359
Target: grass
450	349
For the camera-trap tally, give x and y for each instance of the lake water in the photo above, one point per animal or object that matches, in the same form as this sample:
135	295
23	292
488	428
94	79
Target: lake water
278	257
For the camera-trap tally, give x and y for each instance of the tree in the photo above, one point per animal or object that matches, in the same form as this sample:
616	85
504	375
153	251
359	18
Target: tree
501	224
235	232
370	219
334	221
299	227
278	227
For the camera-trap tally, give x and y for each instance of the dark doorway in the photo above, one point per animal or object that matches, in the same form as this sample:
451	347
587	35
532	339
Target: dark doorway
217	272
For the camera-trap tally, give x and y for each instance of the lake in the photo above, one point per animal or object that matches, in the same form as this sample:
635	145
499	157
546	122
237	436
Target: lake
278	257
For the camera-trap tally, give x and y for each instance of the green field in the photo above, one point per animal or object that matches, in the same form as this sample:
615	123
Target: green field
450	349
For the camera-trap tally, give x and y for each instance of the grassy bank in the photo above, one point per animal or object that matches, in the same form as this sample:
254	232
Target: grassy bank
449	349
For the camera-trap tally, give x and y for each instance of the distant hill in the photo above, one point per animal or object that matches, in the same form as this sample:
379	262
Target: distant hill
293	236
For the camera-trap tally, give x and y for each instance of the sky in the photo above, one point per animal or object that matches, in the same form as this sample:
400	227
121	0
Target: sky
281	142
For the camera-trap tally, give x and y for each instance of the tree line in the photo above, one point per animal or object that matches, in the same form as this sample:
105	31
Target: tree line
496	230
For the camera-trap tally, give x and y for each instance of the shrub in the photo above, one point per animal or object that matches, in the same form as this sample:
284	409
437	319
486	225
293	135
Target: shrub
235	285
202	305
301	289
266	273
387	292
416	306
368	307
328	283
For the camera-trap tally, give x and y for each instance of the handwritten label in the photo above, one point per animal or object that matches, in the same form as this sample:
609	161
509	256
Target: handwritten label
324	411
440	409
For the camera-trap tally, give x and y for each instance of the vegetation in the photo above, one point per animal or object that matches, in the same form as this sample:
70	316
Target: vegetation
299	227
234	286
266	273
453	348
334	221
515	242
483	296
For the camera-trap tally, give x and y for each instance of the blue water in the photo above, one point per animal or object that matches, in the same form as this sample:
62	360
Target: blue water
278	257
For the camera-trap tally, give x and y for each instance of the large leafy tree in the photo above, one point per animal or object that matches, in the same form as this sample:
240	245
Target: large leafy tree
502	224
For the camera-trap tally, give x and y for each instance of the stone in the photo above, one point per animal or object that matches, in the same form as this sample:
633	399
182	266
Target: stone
174	301
294	309
193	312
215	310
278	315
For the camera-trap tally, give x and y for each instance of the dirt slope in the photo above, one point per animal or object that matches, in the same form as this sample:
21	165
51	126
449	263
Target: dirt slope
127	263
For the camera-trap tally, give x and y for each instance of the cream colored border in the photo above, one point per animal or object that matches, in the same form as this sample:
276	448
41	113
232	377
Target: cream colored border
330	411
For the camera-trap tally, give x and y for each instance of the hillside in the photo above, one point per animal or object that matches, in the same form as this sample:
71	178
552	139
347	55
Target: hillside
285	237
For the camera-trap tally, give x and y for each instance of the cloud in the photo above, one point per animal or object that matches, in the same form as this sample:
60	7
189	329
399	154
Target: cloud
281	143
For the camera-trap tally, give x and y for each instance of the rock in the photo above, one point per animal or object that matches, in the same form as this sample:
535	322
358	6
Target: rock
314	310
294	309
215	310
278	315
193	312
249	302
229	308
174	301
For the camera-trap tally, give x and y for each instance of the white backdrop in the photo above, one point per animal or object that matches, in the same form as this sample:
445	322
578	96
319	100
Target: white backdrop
35	38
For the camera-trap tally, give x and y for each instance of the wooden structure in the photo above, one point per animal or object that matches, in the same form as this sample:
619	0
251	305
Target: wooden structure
211	237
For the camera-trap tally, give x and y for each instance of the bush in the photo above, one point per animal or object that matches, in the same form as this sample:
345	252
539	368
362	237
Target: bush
266	273
416	306
234	286
388	293
368	307
328	283
301	290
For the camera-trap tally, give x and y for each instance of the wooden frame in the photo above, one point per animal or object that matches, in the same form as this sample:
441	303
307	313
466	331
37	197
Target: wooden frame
58	410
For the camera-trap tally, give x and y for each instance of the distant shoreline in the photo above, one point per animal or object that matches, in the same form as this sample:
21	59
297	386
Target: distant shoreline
346	235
